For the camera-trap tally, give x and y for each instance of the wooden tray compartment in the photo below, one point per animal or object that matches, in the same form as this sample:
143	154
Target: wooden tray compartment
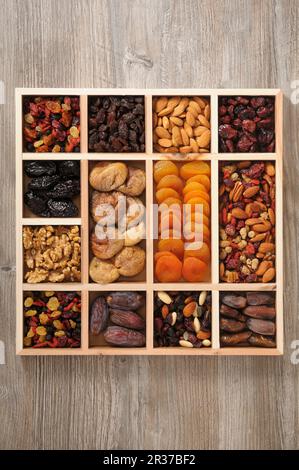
87	288
27	213
208	279
98	342
141	277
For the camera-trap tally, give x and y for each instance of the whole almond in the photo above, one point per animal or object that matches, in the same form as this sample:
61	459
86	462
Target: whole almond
269	275
162	133
207	112
176	121
190	119
199	130
155	120
165	142
204	139
202	150
266	248
188	129
186	149
185	344
261	228
264	265
195	106
165	111
270	169
161	103
159	123
199	101
253	221
194	145
192	111
258	238
250	192
239	213
176	136
180	107
185	137
271	216
203	121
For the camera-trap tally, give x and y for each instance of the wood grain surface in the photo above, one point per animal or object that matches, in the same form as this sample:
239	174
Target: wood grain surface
159	402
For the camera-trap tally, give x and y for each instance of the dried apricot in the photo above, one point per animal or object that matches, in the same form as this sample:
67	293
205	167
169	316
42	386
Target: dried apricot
203	253
170	220
172	202
203	334
196	193
203	179
168	269
195	202
194	270
194	168
163	168
175	246
174	234
196	232
197	217
164	193
194	185
159	254
171	181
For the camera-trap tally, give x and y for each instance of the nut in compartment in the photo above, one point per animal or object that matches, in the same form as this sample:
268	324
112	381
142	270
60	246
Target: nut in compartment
181	124
52	253
247	221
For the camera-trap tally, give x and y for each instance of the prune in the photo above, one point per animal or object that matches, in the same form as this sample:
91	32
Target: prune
39	168
43	182
62	208
35	203
69	168
69	188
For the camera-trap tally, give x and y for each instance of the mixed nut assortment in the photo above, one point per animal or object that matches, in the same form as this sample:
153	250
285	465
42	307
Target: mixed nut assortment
52	319
181	124
116	124
52	187
115	316
246	124
51	124
247	319
182	319
183	195
247	221
52	253
118	215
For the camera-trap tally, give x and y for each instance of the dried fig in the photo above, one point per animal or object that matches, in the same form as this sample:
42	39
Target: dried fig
135	182
103	272
108	176
130	261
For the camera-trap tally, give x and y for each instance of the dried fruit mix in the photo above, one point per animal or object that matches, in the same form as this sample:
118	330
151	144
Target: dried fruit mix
247	221
246	123
52	319
182	319
51	124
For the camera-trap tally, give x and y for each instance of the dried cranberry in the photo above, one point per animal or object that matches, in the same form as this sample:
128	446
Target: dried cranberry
248	125
230	230
244	144
227	132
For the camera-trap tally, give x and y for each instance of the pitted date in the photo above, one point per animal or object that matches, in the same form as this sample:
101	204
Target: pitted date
99	316
125	300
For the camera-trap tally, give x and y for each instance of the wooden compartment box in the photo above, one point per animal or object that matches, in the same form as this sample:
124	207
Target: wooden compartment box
145	282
